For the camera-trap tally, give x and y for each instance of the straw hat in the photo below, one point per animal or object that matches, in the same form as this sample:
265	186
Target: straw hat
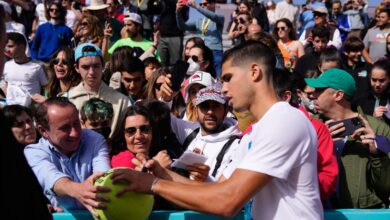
97	5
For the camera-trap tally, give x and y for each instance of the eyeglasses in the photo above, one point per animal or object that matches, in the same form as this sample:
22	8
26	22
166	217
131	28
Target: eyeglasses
20	124
56	61
54	10
281	28
157	86
144	129
195	59
83	24
203	4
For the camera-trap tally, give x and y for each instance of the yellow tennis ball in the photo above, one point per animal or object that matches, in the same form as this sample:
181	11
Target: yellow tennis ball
131	205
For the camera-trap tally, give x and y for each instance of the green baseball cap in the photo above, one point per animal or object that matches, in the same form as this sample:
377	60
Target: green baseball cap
336	79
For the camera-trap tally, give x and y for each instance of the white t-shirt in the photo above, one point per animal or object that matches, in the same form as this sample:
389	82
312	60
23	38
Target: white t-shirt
40	13
283	144
70	19
12	26
27	79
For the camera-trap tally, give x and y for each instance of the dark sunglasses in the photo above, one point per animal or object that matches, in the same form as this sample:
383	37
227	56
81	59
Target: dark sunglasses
157	86
203	4
54	9
20	124
195	58
130	131
56	61
281	28
84	24
239	21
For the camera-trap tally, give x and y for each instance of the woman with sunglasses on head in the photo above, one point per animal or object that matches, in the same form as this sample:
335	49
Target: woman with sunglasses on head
286	36
20	120
88	30
133	135
62	76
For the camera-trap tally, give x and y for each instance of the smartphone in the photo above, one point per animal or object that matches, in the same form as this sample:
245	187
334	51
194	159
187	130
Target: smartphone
178	73
350	124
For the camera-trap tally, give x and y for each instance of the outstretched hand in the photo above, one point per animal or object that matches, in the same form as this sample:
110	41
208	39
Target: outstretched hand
92	197
137	181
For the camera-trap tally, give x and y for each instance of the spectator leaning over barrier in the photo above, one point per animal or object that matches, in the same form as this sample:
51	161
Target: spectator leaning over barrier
67	159
89	64
364	174
217	136
270	166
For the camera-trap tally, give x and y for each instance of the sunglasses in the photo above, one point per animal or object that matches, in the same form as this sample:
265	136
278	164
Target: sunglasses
56	61
203	4
84	24
281	28
157	86
20	124
54	10
195	59
144	129
239	21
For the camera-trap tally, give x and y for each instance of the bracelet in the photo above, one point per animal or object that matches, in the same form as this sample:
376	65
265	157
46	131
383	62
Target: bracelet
155	181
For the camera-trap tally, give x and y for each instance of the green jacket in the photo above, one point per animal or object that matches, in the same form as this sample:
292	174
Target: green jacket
364	179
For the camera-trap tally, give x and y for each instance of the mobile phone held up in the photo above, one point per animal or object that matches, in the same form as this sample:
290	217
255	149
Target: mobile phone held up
350	124
178	73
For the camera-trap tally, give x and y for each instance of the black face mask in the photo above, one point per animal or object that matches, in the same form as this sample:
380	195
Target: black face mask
105	131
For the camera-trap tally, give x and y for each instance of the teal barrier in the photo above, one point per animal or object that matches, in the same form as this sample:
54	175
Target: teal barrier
338	214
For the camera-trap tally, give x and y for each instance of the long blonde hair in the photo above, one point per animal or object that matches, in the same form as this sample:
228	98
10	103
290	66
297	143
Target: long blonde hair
96	34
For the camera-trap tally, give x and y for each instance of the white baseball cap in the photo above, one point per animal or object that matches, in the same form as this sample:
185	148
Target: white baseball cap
200	77
134	17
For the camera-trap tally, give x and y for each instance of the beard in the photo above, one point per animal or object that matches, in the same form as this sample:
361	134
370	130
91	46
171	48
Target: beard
213	129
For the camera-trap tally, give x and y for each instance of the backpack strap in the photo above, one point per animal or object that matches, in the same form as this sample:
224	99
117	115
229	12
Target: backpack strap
221	154
189	138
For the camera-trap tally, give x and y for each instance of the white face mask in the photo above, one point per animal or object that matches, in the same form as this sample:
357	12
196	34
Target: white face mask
193	67
309	105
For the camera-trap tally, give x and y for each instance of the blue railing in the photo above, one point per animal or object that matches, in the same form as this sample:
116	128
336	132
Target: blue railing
338	214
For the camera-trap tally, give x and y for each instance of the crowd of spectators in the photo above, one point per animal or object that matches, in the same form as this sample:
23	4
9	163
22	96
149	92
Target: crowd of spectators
93	85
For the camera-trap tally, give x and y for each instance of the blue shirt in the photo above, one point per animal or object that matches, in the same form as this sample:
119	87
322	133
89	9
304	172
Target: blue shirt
212	35
48	39
49	165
